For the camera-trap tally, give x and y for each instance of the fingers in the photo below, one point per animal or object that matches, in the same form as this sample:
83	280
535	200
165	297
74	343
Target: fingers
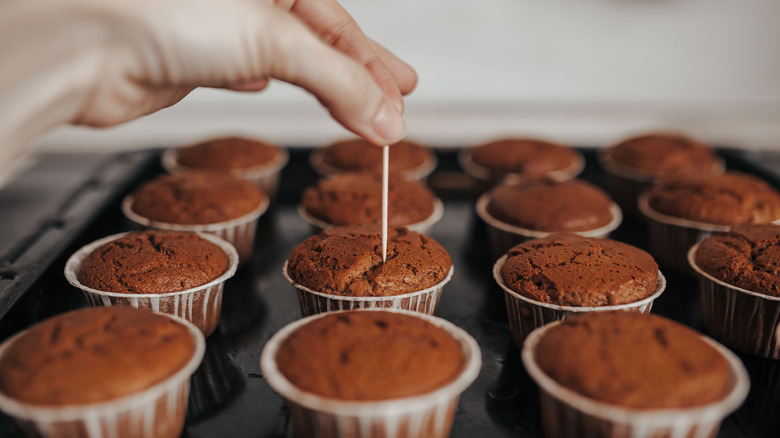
254	85
403	74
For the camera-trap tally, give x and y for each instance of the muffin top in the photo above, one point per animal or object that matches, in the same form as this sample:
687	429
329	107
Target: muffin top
356	198
94	355
228	153
748	256
547	205
523	156
665	154
369	355
570	270
728	199
634	360
347	261
153	262
360	155
196	197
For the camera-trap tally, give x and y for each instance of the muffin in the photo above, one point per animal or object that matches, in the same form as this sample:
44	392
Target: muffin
165	271
356	198
342	268
107	368
632	375
256	161
511	158
685	210
740	287
371	373
549	279
409	160
209	202
535	208
634	164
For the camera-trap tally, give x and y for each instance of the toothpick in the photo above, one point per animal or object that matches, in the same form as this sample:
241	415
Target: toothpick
385	167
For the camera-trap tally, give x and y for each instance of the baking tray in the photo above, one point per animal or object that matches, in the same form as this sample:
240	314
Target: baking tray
64	202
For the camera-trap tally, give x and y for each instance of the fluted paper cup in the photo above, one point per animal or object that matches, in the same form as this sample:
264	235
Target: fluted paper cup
741	319
526	314
419	173
239	232
200	305
424	416
265	176
156	412
423	227
313	302
566	413
503	236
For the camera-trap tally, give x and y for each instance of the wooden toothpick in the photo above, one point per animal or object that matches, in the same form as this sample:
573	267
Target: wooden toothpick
385	167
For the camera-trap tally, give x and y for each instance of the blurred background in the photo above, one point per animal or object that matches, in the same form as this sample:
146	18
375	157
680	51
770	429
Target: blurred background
586	72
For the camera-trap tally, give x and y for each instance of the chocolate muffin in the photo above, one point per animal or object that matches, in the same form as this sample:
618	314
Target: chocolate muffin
153	262
570	270
356	198
347	261
634	360
359	355
664	154
228	153
522	156
407	158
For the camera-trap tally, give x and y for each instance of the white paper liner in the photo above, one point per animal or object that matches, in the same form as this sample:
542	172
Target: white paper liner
423	227
313	302
566	413
419	173
239	232
265	176
526	315
503	236
158	411
486	179
739	318
200	305
423	416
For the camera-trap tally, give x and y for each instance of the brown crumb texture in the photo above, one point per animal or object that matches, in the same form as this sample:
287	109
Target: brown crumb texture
196	197
355	155
748	256
634	360
728	199
546	205
94	355
348	261
570	270
356	198
369	356
523	156
228	153
665	154
153	262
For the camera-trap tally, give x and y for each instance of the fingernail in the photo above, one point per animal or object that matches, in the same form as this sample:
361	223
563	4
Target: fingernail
389	124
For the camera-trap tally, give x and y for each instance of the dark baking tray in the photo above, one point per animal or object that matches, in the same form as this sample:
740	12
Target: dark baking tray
64	202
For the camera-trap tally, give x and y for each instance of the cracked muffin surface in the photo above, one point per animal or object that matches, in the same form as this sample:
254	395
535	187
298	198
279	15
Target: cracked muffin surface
369	355
227	153
634	360
196	197
357	154
93	355
570	270
665	154
153	262
347	261
523	155
748	257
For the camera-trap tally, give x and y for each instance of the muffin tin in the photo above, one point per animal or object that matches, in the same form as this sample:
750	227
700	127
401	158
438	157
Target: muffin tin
73	200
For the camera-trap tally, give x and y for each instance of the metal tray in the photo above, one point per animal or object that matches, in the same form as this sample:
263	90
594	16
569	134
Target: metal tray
64	202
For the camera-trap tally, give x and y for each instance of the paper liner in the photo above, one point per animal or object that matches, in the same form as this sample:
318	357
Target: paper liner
744	320
156	412
419	173
200	305
313	302
239	232
424	416
526	315
265	176
503	236
423	227
566	413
